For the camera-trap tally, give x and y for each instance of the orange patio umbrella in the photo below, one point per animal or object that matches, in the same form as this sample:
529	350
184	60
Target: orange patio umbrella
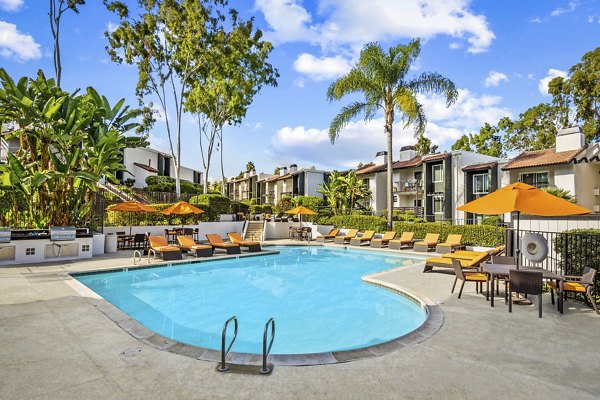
301	210
131	207
182	208
522	198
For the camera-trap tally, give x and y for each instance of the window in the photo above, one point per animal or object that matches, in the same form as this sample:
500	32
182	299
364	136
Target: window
366	182
537	179
30	251
85	247
481	184
438	205
438	173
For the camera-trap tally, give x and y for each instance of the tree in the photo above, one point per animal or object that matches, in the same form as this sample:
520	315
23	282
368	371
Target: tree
535	129
342	193
169	42
487	142
381	77
57	9
560	193
249	166
424	146
276	170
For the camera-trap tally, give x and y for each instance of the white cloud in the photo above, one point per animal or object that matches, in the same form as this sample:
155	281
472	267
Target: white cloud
559	11
111	27
11	5
494	78
351	23
323	68
552	73
455	45
16	45
159	143
299	82
536	20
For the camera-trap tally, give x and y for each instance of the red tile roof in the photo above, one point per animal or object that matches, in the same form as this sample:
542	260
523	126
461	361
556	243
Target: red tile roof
436	157
413	162
542	157
146	167
480	166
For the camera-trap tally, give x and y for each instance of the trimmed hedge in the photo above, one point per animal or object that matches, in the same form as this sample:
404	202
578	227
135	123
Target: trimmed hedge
362	222
260	209
167	184
474	235
118	218
212	204
577	249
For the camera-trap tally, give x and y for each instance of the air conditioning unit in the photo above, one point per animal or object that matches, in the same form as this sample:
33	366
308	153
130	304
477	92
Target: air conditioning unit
596	207
596	192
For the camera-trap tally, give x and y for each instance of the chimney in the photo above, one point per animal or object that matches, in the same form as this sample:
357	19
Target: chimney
283	171
407	153
253	172
570	139
380	158
293	168
246	174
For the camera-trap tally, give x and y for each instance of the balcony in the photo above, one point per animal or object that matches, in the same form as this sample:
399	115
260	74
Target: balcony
410	186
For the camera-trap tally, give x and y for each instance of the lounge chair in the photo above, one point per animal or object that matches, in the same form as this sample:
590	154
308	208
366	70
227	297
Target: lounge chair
343	239
469	254
383	241
578	284
238	239
330	236
406	239
366	237
217	243
452	243
281	217
466	276
161	246
188	244
430	241
446	262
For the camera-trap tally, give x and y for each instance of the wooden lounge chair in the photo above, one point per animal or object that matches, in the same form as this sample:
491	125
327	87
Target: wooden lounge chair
383	241
406	239
161	247
345	238
366	237
188	244
430	241
452	243
217	242
446	262
466	276
469	254
238	239
330	236
578	284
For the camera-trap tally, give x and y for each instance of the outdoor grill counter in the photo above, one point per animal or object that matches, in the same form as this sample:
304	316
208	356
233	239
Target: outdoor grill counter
43	245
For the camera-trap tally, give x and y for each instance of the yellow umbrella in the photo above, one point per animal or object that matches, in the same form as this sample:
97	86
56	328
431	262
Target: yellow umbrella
301	210
522	198
182	208
131	207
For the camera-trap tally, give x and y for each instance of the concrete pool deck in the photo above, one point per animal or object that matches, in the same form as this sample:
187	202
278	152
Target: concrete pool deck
57	345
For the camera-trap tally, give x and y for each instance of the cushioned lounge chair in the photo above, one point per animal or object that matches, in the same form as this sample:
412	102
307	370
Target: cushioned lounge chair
343	239
217	242
452	243
430	241
330	236
383	241
366	237
578	284
466	276
406	239
238	239
161	247
469	254
188	244
446	262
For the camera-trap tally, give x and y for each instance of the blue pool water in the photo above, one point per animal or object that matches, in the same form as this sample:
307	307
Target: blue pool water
315	294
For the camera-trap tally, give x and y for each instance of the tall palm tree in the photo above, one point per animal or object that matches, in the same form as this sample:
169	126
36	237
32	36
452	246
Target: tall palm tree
381	78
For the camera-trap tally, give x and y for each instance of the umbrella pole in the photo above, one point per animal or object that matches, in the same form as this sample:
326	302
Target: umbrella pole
518	251
130	222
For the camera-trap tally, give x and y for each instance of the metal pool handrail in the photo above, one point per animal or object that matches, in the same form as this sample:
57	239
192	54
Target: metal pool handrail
223	366
266	368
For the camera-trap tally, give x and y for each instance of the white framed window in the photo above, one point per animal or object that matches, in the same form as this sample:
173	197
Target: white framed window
438	173
481	184
438	205
537	179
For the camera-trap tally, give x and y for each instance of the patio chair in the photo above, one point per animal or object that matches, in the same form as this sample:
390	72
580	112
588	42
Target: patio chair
343	239
447	262
366	237
383	241
527	282
217	243
161	247
122	240
466	276
578	284
187	243
452	243
238	239
138	241
430	241
406	239
280	217
470	254
329	236
504	260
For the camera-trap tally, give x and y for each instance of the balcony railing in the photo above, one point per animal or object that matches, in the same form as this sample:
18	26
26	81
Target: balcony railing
408	186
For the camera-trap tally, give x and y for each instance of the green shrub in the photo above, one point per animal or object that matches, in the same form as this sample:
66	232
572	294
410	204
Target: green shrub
475	235
260	209
577	249
118	218
284	204
213	205
491	220
167	184
362	222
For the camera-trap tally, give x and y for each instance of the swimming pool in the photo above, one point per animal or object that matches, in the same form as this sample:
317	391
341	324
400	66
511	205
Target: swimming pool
315	294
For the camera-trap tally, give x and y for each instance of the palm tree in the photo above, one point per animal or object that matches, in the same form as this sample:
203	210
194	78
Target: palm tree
381	78
355	189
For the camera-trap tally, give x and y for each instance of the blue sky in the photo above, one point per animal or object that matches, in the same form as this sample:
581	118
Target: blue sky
498	53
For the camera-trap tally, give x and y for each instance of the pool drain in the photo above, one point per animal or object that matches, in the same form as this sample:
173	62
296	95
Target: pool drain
131	352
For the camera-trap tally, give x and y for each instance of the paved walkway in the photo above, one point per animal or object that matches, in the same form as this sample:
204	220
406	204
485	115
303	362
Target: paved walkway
57	345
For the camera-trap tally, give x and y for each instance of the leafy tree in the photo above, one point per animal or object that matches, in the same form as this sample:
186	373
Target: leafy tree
560	193
487	142
249	166
381	77
424	146
535	129
462	143
276	170
342	193
57	9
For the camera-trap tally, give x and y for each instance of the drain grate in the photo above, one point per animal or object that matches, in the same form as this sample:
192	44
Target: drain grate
131	352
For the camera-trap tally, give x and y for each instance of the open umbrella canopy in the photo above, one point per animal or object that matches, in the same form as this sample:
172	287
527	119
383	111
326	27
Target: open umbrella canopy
182	208
302	211
523	198
131	206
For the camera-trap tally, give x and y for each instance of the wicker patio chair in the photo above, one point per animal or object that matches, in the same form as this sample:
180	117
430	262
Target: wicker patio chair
527	282
466	276
578	284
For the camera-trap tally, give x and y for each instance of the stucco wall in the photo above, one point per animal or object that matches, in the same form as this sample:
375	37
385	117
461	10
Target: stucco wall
220	228
312	180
